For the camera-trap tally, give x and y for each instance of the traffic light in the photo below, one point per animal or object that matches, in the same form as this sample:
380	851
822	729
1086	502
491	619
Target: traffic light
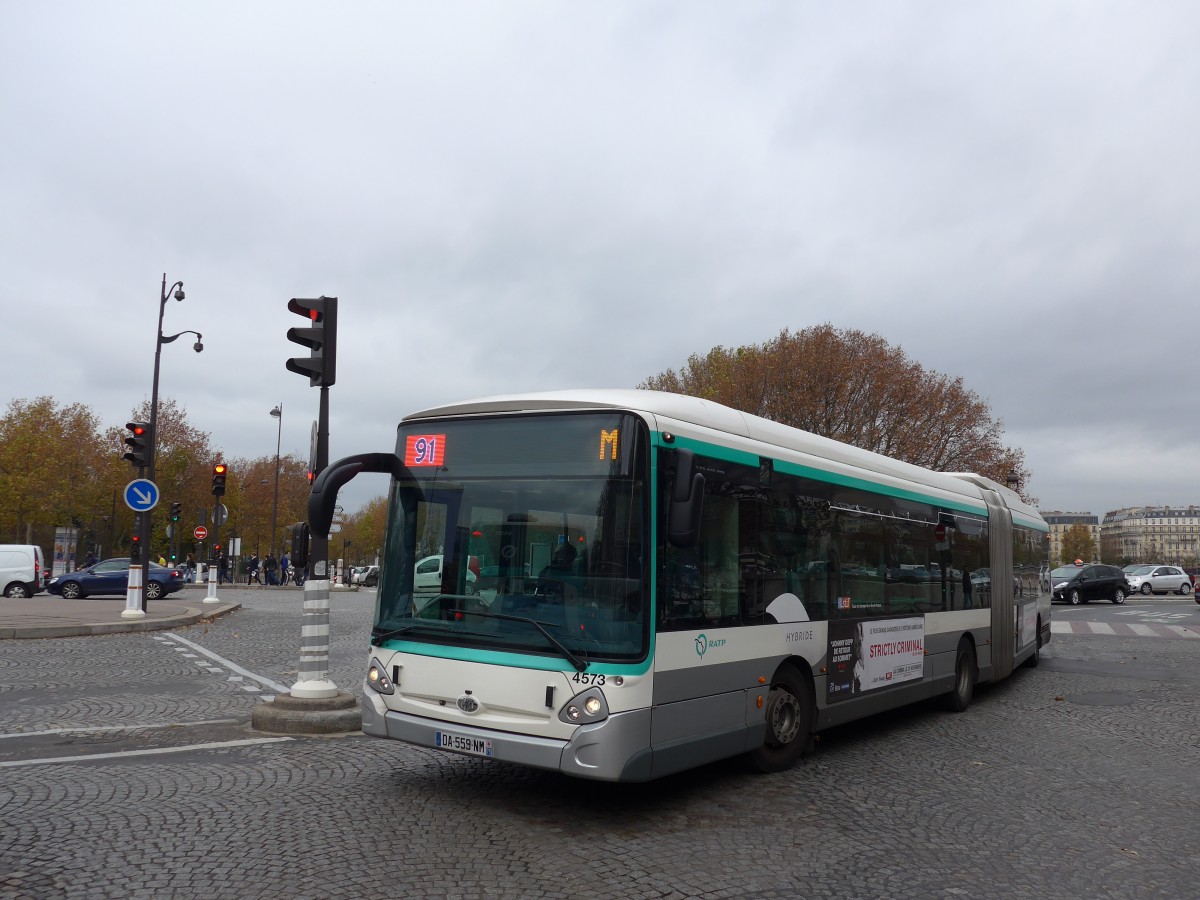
219	480
135	548
320	338
176	509
139	444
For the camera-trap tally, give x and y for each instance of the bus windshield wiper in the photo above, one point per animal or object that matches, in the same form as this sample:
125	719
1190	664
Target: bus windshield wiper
579	664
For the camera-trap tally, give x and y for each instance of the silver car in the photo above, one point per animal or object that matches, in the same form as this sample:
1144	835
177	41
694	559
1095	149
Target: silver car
1159	580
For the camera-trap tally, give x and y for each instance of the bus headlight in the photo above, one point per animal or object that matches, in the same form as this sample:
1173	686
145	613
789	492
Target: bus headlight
377	678
582	709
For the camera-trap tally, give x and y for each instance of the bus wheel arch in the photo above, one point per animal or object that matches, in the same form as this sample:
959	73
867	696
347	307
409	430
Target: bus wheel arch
790	710
966	673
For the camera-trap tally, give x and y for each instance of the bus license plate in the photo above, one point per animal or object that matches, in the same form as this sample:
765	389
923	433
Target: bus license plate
461	743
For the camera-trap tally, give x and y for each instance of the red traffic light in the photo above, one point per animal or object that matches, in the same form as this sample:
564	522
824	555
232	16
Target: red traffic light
139	430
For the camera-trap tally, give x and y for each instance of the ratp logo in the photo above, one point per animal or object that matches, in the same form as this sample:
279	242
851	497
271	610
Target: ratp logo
703	644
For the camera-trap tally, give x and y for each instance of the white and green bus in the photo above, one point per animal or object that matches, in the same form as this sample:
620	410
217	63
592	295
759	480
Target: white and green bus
627	583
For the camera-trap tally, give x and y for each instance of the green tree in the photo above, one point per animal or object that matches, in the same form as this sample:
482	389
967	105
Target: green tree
855	388
1077	544
53	469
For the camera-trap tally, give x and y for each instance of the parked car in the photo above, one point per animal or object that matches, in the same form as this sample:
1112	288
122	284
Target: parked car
1083	584
21	570
357	573
427	576
1159	580
111	577
370	576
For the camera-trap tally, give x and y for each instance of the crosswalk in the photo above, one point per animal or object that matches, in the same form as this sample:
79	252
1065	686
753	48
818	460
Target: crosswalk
1125	629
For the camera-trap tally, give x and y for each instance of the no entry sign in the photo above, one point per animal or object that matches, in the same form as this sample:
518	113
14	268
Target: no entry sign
201	532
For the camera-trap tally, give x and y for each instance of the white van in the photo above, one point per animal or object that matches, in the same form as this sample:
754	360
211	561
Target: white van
22	569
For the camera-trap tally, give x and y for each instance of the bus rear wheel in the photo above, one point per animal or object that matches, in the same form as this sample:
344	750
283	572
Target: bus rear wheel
790	712
959	697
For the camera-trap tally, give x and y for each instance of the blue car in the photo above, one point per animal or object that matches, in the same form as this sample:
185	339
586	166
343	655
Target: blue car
111	577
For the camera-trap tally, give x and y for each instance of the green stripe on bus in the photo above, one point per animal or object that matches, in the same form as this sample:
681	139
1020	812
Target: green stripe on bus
513	660
729	454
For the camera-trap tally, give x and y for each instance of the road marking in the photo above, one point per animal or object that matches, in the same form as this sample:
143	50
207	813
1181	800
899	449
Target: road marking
1123	629
92	728
1184	631
231	666
128	753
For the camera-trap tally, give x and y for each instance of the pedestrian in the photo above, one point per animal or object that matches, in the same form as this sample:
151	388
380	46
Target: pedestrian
252	570
162	561
272	567
284	568
90	561
222	568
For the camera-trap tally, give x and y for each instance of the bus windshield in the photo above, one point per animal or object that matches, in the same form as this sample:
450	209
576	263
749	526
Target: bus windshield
520	533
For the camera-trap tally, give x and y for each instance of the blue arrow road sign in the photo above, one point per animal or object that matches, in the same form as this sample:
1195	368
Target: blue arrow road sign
141	494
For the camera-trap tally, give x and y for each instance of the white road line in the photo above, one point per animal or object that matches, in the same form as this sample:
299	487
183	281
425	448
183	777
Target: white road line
232	666
1143	630
93	728
1101	628
1184	631
128	753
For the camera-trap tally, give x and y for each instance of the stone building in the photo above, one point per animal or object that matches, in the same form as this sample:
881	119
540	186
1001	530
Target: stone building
1060	522
1152	534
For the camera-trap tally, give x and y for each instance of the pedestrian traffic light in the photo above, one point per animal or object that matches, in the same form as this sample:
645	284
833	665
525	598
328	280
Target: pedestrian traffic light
300	545
219	480
320	338
139	444
176	509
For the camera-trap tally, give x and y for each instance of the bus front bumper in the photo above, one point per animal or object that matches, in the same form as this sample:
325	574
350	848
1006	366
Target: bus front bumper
616	749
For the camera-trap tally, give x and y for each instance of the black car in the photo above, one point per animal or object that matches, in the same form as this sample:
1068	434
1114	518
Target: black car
1082	584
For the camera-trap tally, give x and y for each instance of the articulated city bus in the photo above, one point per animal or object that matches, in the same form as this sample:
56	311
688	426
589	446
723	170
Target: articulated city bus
623	584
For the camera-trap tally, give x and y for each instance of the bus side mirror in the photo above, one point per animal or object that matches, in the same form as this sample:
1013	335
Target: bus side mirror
687	502
323	499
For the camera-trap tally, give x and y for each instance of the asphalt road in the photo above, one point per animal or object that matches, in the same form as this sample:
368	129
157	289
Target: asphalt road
128	769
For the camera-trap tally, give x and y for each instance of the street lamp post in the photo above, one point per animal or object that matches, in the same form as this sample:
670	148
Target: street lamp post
176	291
277	412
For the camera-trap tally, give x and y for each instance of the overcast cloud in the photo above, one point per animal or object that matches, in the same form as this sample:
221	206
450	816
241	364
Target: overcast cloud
522	196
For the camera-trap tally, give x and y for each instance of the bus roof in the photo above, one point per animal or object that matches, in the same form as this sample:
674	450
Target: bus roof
707	414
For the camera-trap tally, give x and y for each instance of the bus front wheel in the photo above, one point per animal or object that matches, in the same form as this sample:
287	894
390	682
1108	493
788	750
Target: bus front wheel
790	711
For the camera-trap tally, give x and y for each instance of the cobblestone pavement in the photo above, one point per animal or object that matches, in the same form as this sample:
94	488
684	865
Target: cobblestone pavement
1075	779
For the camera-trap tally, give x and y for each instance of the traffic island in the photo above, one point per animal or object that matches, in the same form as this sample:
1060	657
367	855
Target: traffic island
286	714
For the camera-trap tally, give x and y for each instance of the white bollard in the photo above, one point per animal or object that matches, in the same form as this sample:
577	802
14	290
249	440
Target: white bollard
212	585
133	594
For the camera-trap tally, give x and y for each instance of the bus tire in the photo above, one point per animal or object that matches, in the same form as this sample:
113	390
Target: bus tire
790	713
959	697
1032	661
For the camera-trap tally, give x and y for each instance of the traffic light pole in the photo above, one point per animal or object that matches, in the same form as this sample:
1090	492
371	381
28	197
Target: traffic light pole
314	682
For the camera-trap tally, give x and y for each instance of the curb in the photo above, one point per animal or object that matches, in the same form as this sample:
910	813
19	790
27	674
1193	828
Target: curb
23	632
286	714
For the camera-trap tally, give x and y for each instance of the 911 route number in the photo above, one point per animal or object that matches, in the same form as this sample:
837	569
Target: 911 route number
588	679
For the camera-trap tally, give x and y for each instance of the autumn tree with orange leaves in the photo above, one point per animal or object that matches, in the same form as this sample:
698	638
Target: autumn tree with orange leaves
859	389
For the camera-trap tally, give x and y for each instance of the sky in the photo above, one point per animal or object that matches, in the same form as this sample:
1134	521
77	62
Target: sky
525	196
